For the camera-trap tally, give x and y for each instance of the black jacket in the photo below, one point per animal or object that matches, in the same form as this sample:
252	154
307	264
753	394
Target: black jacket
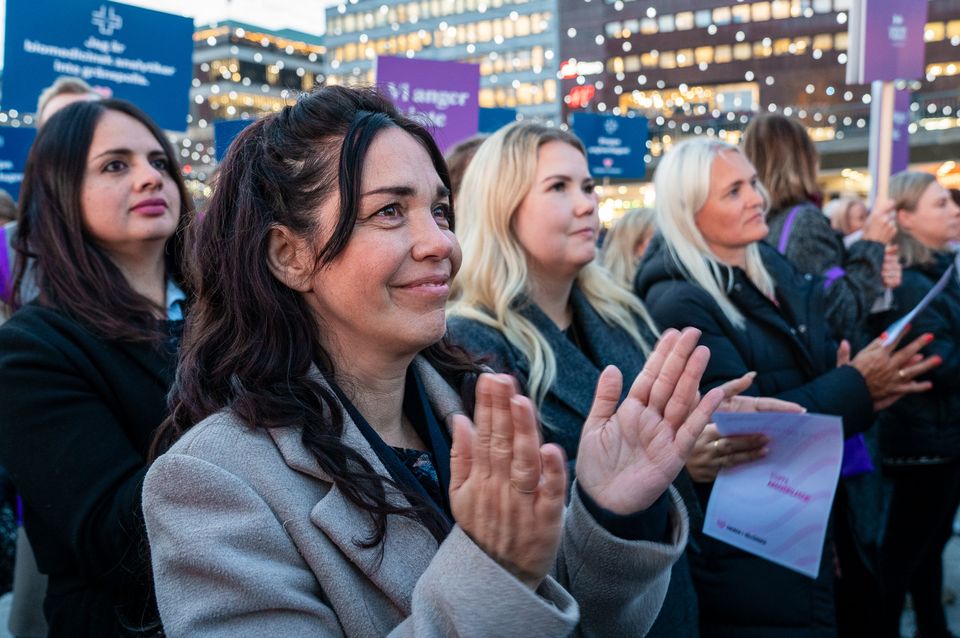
927	424
789	347
568	402
77	414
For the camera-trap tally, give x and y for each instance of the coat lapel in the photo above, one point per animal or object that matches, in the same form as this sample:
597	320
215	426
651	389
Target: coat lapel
408	547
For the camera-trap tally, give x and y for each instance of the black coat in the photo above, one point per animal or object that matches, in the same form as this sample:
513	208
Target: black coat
926	424
789	347
568	403
77	414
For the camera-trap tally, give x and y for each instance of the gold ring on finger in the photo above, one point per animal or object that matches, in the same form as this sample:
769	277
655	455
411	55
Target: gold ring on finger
520	489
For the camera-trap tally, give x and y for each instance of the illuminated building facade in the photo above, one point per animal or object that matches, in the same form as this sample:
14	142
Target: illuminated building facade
705	66
514	42
241	71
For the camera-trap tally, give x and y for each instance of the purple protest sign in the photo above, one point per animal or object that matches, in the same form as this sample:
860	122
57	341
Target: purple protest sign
5	283
900	136
886	41
444	92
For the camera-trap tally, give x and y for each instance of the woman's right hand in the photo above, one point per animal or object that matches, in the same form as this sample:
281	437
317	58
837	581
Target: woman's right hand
507	490
881	224
713	452
890	373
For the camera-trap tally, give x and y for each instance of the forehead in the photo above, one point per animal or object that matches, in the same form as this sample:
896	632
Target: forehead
731	165
558	156
118	130
395	157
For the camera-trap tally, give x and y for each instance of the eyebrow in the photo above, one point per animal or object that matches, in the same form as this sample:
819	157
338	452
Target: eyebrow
565	178
127	151
738	182
404	191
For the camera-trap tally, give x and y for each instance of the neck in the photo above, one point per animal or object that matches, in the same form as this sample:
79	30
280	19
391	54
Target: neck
376	388
552	295
145	273
736	257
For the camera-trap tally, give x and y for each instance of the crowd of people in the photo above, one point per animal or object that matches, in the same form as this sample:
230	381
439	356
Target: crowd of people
368	390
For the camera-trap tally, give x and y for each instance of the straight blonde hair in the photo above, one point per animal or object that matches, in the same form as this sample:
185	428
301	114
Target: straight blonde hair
621	241
494	275
906	188
682	184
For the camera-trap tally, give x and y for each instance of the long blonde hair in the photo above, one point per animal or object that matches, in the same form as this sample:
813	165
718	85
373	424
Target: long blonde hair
682	184
494	273
906	188
621	241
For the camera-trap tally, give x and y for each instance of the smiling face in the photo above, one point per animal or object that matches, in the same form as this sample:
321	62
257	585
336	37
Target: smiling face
732	217
557	221
128	197
385	292
936	219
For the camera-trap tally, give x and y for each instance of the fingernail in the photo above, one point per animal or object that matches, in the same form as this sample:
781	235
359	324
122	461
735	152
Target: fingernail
907	327
928	337
883	336
764	451
752	374
937	359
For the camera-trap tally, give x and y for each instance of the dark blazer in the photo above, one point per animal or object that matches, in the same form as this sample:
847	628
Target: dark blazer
77	414
927	424
789	347
569	399
852	275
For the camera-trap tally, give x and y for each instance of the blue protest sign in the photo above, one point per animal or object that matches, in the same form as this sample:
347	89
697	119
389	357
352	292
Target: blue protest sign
224	132
15	145
615	145
131	53
494	119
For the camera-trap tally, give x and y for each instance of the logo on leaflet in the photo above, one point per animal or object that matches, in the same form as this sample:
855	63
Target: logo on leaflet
106	20
610	125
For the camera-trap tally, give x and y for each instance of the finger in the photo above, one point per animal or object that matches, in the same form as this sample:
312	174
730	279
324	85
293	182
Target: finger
525	469
461	453
673	369
736	386
904	354
739	458
739	444
912	387
483	422
643	383
553	483
685	394
501	431
769	404
710	434
896	342
688	432
843	353
921	367
605	399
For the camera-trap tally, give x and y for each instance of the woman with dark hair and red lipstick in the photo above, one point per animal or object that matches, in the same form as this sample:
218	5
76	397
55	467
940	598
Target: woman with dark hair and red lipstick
85	367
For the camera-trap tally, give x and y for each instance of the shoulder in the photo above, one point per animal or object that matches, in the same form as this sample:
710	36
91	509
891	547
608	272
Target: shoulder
36	333
223	439
476	336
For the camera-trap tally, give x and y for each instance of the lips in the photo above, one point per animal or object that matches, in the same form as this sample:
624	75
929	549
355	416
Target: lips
429	281
152	206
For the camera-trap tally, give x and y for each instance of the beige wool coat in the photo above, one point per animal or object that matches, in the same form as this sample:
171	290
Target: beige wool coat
249	537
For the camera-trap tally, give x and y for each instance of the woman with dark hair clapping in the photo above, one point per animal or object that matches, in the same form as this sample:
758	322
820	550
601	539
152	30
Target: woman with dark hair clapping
85	368
314	487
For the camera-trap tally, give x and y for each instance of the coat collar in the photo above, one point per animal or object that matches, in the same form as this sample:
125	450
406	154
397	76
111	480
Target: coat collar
577	373
395	566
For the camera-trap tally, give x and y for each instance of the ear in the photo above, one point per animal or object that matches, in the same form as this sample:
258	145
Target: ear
290	259
904	220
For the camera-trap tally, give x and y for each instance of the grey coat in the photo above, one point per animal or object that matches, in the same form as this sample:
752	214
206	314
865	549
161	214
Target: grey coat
249	537
851	276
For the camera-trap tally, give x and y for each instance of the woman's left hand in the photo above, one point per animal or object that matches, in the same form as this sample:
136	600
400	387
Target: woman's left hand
628	456
733	401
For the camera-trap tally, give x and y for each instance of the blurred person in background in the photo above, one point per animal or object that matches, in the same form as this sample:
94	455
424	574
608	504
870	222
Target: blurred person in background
458	159
625	242
62	93
920	434
709	268
86	366
847	215
787	163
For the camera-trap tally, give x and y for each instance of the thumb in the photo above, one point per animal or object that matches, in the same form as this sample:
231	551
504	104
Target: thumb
606	398
735	386
843	353
461	453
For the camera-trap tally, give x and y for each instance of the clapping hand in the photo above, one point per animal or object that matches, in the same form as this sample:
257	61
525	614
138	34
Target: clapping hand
630	454
507	490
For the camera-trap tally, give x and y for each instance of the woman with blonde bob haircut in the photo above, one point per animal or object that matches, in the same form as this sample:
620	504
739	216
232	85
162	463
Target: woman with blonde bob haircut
532	298
709	268
625	243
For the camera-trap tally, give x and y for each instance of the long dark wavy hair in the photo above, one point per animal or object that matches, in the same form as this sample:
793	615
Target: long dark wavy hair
55	252
250	341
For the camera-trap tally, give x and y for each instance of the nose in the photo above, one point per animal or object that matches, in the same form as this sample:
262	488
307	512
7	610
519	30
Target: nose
430	241
754	197
148	176
586	203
